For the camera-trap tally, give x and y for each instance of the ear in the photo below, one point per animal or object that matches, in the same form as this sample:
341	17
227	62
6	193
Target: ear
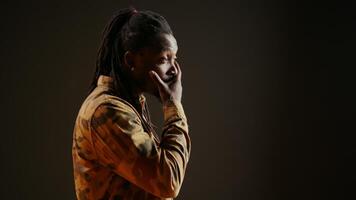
128	59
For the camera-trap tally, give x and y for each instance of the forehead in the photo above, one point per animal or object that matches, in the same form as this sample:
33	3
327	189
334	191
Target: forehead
163	43
167	42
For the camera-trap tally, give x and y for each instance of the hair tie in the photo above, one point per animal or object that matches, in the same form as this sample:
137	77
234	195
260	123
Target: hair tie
134	12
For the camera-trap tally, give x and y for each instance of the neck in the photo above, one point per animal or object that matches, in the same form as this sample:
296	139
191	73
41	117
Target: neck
133	90
136	94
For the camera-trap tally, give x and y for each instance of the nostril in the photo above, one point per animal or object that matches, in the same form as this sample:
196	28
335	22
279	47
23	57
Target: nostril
172	72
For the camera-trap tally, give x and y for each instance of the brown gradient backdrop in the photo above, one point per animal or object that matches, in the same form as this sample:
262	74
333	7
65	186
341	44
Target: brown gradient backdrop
260	91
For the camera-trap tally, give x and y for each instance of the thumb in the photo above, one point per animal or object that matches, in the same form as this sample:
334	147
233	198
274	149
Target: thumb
156	79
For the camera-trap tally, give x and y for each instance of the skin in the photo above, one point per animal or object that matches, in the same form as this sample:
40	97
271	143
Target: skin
155	69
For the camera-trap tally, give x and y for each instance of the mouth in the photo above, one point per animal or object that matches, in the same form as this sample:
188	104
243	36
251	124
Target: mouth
169	79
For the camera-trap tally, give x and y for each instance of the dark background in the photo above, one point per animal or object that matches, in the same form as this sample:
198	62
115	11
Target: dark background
268	92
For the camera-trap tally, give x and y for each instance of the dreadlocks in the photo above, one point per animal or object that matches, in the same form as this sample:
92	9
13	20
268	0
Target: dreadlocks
127	30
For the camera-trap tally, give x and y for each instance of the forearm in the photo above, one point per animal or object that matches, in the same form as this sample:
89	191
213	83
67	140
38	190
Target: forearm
133	154
175	141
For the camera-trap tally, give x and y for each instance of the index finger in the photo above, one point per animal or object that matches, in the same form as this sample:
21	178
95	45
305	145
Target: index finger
179	71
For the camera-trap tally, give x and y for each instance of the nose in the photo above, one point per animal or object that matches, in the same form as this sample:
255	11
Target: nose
172	70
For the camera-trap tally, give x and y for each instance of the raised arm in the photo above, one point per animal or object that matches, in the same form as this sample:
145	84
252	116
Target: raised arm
122	144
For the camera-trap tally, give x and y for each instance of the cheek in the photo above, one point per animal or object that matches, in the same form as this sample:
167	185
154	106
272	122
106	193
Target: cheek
161	69
143	72
146	78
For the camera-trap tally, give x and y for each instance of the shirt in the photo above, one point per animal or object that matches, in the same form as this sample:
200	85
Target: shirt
115	158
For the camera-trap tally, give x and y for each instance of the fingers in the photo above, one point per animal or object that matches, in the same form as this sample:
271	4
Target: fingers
179	71
156	79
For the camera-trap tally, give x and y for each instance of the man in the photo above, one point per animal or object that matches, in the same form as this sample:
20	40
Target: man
116	154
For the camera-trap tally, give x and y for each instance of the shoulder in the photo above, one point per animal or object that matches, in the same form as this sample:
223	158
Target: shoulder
114	110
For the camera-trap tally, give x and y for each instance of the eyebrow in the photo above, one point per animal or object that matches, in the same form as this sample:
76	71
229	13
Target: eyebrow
168	49
160	48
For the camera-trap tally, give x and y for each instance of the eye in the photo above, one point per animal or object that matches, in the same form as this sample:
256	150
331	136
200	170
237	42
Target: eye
163	60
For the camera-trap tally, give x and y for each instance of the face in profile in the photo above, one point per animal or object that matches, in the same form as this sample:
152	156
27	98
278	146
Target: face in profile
160	57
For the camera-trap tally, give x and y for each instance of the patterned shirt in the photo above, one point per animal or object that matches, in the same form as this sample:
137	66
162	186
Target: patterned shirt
114	157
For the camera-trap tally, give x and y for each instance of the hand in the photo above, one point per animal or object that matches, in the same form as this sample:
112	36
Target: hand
171	90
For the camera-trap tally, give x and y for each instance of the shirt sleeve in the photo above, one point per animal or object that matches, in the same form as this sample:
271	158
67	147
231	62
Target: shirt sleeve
121	144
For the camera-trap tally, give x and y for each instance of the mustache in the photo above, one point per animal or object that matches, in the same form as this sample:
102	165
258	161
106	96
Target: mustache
170	78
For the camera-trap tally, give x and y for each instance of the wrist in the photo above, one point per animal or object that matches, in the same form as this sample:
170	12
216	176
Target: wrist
171	100
173	108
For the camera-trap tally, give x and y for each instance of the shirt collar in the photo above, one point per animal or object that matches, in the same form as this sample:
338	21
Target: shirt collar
108	81
105	81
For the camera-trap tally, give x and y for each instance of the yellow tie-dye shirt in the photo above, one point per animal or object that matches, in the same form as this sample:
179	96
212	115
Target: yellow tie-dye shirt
115	158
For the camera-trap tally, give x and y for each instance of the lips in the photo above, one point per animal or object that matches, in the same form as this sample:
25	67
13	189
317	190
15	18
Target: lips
169	79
